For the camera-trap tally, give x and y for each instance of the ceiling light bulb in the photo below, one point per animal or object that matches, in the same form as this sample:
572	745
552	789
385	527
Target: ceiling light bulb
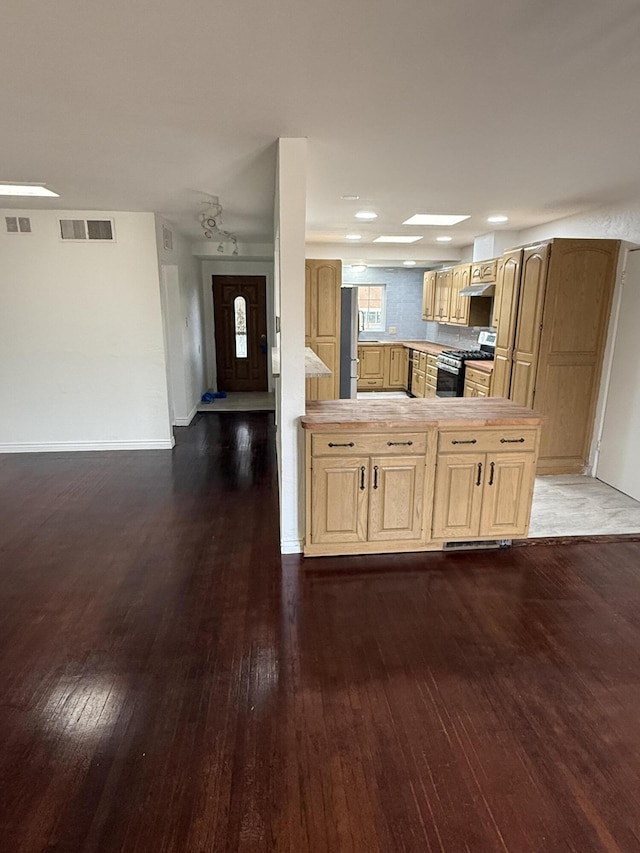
497	218
442	219
366	214
350	197
444	239
409	263
354	237
358	267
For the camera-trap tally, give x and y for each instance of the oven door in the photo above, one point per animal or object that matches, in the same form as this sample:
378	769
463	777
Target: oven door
448	381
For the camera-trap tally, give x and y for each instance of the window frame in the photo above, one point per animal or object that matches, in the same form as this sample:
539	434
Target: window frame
382	324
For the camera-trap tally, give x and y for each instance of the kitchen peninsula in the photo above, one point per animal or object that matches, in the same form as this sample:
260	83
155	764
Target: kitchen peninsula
396	475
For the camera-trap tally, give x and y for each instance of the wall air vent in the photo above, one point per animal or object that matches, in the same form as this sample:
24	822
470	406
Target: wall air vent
86	229
18	224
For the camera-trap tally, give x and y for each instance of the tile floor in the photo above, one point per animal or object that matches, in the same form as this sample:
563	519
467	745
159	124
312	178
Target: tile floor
239	401
570	505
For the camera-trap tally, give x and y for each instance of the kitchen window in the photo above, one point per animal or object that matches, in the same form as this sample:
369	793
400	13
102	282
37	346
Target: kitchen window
371	307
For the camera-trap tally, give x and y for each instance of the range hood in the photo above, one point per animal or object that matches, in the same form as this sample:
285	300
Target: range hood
478	290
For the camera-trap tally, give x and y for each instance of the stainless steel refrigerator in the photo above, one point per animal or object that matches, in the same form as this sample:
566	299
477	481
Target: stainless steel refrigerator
349	343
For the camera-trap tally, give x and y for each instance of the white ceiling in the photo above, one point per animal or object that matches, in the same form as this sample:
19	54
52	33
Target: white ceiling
524	107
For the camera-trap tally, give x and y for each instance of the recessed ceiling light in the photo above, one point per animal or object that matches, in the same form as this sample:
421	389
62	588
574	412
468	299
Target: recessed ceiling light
497	218
354	236
399	239
366	214
27	190
358	267
435	219
409	263
444	239
349	197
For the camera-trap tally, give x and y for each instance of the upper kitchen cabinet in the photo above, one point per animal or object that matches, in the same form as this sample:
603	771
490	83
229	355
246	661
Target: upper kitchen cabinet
465	310
323	280
551	311
442	296
429	295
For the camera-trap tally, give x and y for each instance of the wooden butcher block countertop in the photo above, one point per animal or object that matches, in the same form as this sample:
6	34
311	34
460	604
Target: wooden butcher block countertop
421	346
485	365
417	413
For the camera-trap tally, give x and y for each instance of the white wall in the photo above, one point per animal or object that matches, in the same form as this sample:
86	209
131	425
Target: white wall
81	351
184	323
290	223
233	267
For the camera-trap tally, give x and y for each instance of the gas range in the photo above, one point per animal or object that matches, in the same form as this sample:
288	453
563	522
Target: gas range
455	357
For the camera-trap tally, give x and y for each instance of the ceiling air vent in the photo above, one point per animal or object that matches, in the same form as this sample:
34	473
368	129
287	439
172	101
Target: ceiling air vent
18	224
86	229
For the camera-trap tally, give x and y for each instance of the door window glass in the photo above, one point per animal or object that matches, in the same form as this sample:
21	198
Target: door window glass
240	326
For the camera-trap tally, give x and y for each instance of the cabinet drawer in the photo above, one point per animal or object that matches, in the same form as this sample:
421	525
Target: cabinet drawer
477	376
353	444
432	372
371	383
484	272
483	441
432	361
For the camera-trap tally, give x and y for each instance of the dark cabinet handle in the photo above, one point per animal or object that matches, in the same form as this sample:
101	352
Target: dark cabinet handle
399	443
348	444
479	480
466	441
511	440
375	476
362	469
493	468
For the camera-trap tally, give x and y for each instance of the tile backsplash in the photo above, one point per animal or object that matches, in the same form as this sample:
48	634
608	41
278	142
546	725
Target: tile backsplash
404	310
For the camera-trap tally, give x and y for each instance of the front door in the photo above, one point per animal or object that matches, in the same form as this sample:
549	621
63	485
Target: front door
239	305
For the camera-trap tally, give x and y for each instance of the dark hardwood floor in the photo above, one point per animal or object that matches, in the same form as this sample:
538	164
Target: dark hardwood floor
169	684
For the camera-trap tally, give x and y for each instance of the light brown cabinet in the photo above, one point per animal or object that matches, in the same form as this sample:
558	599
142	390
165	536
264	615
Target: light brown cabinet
551	312
398	367
366	489
431	376
477	383
442	302
484	489
323	280
396	490
442	296
384	366
429	295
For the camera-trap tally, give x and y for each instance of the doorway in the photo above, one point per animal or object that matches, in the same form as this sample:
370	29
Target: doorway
619	460
240	317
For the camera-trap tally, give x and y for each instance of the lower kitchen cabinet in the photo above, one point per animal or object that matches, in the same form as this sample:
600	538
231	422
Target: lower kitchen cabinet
367	489
483	495
395	490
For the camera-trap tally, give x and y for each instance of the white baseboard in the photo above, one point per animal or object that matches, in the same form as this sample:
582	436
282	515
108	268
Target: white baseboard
73	446
291	546
186	421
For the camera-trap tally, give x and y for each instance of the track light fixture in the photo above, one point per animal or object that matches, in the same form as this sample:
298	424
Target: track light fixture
208	219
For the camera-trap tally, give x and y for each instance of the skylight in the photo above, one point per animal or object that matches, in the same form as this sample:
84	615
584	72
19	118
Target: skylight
435	219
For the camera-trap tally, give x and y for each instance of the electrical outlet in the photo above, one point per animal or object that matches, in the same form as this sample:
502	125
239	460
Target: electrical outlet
393	330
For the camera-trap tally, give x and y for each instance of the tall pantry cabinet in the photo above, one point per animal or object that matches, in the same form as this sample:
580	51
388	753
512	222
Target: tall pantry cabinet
551	311
323	280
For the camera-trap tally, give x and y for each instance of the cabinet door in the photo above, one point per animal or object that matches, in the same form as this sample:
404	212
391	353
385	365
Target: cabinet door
458	495
508	489
504	319
443	282
428	295
459	305
533	280
371	363
396	498
328	352
397	367
339	491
